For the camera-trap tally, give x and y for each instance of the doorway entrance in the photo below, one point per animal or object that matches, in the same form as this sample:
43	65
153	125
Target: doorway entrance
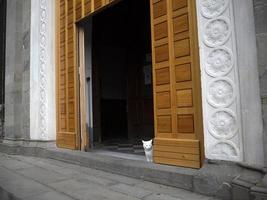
119	87
111	97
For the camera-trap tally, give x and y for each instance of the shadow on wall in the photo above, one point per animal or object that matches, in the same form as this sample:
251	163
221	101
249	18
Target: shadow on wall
1	121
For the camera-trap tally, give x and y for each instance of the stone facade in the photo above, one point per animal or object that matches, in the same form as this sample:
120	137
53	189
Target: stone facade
30	70
42	71
230	87
17	82
230	82
2	63
260	12
221	99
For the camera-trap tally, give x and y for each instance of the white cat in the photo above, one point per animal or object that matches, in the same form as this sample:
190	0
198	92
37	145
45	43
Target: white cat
148	147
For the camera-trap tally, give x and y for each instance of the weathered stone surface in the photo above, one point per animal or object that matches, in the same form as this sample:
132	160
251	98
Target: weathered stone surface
38	181
260	12
49	195
17	83
215	179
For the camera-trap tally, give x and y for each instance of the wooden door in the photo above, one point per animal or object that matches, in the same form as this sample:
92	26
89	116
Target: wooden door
176	79
69	120
176	74
68	134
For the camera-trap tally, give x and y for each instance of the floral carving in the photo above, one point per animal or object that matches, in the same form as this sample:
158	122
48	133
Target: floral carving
226	149
42	69
220	83
217	32
223	124
213	8
219	62
221	92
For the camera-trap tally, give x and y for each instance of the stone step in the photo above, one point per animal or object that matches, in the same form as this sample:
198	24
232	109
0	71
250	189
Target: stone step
213	179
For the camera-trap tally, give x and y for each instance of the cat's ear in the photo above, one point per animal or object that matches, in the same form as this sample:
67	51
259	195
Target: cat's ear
143	141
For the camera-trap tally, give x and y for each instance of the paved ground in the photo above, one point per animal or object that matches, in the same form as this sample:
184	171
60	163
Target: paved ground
44	179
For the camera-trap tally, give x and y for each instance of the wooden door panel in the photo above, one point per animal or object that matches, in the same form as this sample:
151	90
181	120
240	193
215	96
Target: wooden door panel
178	4
161	30
68	13
67	127
162	76
176	98
162	53
87	7
184	98
159	8
97	4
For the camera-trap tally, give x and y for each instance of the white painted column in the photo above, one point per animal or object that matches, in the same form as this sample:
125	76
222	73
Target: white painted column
225	104
220	83
42	71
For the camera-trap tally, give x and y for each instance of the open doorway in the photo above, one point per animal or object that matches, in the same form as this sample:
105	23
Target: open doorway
119	77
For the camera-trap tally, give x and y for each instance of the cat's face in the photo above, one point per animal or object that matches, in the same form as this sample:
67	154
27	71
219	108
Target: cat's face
147	144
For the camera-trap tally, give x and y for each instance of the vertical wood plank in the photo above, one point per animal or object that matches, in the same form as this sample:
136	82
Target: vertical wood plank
83	106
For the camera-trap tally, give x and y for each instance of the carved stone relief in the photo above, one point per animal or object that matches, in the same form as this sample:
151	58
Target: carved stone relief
221	92
223	124
219	62
225	149
42	70
220	85
213	8
217	32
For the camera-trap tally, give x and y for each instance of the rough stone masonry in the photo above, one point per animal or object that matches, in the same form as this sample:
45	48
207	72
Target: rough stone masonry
260	12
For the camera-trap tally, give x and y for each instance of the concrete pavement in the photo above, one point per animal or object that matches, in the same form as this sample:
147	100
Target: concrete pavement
46	179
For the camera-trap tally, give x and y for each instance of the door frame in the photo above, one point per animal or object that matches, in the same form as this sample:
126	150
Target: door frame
83	107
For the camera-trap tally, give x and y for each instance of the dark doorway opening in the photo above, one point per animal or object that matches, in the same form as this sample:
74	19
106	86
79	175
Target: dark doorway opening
122	86
2	62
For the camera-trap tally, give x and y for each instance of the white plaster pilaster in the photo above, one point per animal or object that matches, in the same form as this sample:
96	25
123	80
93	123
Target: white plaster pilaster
220	81
230	86
42	71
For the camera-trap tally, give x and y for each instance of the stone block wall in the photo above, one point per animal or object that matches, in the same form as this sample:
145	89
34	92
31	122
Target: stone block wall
260	12
17	77
1	121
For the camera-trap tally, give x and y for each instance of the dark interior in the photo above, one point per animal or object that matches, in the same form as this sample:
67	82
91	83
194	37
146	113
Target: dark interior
122	79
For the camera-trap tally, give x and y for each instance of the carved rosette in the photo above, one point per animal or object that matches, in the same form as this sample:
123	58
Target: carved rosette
217	32
213	8
221	92
225	149
219	82
223	124
42	68
219	62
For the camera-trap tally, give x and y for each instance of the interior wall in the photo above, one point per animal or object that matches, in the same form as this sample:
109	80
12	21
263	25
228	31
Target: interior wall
140	90
110	64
